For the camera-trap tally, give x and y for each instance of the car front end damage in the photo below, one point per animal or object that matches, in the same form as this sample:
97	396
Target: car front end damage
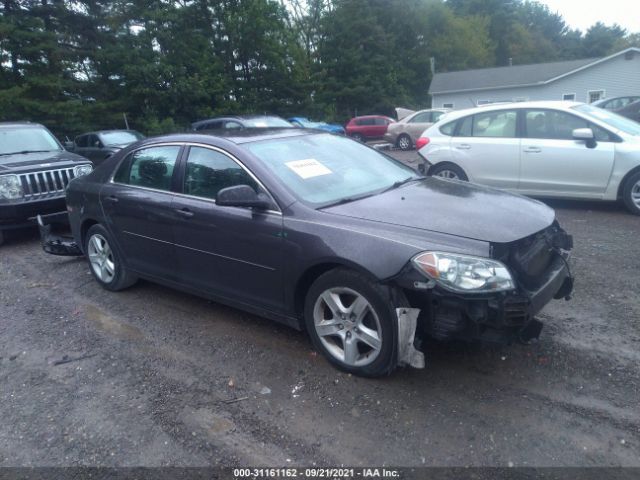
539	271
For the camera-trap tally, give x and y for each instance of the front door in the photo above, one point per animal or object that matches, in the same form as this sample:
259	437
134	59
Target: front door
232	252
138	208
553	163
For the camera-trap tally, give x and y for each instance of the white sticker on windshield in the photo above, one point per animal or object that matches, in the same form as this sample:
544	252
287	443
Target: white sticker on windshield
308	168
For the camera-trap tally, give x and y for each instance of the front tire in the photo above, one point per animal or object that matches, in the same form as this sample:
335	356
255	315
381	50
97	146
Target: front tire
404	142
448	170
631	193
357	137
351	320
105	261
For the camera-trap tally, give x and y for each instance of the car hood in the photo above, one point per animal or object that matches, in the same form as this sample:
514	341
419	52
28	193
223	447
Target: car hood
43	159
454	208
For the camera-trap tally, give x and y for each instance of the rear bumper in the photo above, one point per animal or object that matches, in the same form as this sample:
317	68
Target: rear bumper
495	318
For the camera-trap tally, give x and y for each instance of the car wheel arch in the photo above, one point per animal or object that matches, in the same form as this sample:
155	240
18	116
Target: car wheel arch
624	180
313	272
448	163
84	228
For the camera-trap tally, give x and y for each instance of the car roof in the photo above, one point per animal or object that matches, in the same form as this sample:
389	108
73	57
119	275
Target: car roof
20	124
233	117
246	135
553	104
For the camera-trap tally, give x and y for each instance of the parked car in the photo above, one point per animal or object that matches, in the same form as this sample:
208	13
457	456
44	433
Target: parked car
267	221
542	149
100	145
304	122
626	106
34	173
240	122
369	127
404	133
616	103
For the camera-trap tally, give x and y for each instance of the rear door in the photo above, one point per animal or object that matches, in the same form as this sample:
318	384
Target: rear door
138	207
487	147
553	163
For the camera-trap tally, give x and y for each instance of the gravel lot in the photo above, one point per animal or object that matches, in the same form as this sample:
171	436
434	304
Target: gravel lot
157	377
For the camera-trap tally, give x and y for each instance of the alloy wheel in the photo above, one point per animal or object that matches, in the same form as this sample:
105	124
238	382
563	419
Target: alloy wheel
447	174
101	258
404	143
348	326
635	194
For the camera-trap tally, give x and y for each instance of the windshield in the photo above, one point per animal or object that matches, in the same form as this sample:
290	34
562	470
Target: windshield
120	138
22	139
262	122
326	169
613	119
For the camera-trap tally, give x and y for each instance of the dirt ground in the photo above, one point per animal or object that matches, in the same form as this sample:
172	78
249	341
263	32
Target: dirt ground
151	376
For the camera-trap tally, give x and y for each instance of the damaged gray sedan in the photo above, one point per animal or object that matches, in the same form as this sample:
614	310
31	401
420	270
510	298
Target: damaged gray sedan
323	234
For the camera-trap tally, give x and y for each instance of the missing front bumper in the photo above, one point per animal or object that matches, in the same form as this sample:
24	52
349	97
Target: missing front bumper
56	243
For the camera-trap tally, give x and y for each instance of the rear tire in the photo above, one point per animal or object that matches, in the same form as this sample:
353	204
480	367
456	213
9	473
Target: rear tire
631	193
105	260
357	137
404	142
448	170
351	319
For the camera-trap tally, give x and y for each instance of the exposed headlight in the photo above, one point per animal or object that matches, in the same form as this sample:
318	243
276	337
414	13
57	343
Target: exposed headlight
81	170
463	273
10	187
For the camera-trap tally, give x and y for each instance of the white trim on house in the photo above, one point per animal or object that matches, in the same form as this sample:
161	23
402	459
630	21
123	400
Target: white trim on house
572	95
601	91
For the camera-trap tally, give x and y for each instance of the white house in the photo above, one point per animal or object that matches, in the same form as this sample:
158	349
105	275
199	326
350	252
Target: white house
581	80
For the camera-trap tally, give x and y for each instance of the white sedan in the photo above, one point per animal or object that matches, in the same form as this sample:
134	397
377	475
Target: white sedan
541	149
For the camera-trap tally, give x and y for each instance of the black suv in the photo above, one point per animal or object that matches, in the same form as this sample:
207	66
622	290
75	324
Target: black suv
34	173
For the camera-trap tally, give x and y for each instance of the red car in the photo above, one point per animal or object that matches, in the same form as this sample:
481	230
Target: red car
368	127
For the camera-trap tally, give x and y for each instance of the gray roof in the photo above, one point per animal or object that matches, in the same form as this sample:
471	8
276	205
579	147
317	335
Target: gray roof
503	77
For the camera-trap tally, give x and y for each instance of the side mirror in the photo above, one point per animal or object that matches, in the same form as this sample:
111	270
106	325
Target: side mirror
586	135
242	196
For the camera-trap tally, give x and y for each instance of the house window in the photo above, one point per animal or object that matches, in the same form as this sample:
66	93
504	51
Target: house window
447	105
520	99
483	102
595	95
569	96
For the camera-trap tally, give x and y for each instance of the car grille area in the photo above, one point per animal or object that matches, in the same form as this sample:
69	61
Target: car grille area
46	184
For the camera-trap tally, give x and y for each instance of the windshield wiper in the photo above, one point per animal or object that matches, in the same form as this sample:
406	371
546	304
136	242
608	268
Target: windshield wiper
399	183
27	151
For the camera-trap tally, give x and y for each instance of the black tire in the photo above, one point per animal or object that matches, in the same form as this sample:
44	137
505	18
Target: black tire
382	302
441	169
121	278
357	137
1	237
631	189
404	142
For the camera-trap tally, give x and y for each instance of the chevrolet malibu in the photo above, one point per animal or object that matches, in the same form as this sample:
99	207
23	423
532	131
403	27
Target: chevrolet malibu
326	235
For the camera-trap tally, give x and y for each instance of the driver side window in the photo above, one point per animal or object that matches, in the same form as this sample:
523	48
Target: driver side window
209	171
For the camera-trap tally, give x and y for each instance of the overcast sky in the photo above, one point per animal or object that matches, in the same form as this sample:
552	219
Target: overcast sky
584	13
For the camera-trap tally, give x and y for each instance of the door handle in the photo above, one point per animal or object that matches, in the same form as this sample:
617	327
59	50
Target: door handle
532	150
112	199
463	146
184	212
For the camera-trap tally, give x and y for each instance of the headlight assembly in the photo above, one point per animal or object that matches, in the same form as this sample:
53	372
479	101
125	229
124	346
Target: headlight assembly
463	273
81	170
10	187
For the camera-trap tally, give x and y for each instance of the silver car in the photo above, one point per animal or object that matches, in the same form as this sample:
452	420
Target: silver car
404	133
541	149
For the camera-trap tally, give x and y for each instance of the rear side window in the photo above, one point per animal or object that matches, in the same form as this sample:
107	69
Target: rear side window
209	171
149	167
381	121
464	128
496	124
424	117
365	121
448	128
